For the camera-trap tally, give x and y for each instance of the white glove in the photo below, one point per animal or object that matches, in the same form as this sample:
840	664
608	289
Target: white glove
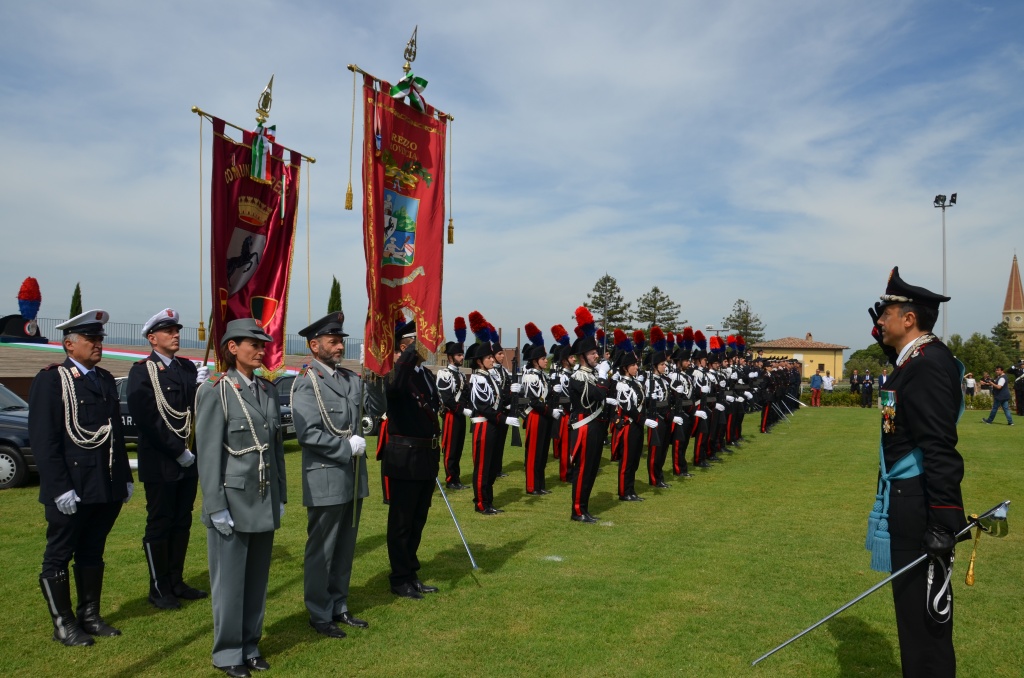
651	423
754	374
468	413
516	388
280	513
557	414
222	521
678	421
186	458
67	502
512	421
612	401
558	388
602	370
358	445
748	396
701	414
705	389
679	390
131	491
720	407
729	399
202	374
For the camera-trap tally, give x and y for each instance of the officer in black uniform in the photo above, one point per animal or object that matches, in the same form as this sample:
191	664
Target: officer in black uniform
410	459
920	474
161	397
74	422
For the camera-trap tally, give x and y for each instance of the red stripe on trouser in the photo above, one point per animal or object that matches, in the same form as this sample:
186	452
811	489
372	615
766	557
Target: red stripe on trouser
676	468
764	419
563	446
531	450
387	489
581	450
728	427
446	442
479	439
652	453
623	458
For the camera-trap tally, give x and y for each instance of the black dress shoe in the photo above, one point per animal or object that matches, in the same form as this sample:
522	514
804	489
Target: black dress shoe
684	474
497	510
347	618
703	464
545	491
424	588
636	497
186	592
585	519
535	493
489	511
630	497
503	475
257	663
662	484
327	629
407	591
457	486
237	671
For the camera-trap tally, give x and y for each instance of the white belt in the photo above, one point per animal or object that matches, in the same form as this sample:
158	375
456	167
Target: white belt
576	425
478	420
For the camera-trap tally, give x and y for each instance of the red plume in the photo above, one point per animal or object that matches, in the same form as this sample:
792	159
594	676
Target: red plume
600	335
460	323
687	333
579	331
619	336
698	336
29	290
656	335
531	331
638	337
477	322
583	316
558	332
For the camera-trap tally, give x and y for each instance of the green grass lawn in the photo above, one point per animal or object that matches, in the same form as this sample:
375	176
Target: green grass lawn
699	580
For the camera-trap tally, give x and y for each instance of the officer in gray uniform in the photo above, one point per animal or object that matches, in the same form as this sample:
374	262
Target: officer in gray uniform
241	471
325	407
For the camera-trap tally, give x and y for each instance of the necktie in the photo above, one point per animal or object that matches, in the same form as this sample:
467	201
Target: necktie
255	391
94	381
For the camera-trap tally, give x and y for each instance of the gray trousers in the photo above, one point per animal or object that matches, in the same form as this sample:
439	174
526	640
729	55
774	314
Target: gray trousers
239	570
330	545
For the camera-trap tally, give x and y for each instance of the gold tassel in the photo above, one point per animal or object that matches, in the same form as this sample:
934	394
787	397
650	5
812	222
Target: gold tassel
451	231
201	332
348	197
974	552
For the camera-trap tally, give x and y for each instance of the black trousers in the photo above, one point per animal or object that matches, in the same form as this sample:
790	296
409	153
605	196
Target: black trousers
484	435
629	441
680	439
169	508
407	514
536	438
453	439
81	535
657	449
865	397
498	456
587	443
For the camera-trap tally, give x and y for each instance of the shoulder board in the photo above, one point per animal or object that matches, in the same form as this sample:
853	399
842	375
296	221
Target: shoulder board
141	362
214	378
304	370
51	366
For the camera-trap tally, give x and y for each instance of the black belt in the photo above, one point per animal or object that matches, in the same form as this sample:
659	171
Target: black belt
427	443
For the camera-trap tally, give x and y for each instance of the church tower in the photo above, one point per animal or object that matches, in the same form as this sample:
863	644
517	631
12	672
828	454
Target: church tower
1013	308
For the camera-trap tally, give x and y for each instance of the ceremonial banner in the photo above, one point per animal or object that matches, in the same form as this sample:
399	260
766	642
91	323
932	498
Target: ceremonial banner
253	229
403	220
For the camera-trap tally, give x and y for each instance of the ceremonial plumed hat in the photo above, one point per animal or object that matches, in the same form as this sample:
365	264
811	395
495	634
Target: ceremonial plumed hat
458	346
244	328
89	324
897	291
332	323
162	320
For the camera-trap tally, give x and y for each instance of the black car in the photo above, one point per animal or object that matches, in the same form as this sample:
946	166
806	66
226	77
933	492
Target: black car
128	427
374	404
16	460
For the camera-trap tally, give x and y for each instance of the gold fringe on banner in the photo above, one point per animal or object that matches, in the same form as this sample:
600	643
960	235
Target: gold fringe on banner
201	332
448	165
351	141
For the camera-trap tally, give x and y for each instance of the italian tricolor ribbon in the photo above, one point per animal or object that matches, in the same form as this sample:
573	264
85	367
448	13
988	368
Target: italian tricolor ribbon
262	142
412	87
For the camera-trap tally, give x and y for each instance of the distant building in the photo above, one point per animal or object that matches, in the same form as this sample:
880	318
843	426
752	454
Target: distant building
815	355
1013	307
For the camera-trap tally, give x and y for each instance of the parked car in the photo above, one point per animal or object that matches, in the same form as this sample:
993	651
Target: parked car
374	404
128	427
16	460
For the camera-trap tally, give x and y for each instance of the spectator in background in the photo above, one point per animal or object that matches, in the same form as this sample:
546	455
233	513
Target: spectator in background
855	382
828	382
985	386
816	382
882	379
1000	396
866	386
970	386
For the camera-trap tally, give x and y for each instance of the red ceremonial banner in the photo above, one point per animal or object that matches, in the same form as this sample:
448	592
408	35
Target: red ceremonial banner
403	221
253	231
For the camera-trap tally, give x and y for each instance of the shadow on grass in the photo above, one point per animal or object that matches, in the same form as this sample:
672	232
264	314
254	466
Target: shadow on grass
862	650
372	542
146	663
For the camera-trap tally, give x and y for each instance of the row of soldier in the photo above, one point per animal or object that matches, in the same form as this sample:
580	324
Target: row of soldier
571	401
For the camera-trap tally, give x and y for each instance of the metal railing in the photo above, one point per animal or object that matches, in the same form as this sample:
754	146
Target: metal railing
130	334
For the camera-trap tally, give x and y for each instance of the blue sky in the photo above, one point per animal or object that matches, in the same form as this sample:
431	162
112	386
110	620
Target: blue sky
785	152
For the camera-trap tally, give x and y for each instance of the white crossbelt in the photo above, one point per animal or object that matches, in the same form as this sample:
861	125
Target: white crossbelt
576	425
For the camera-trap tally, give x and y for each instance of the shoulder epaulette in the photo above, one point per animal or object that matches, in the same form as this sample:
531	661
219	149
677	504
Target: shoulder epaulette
51	366
304	370
214	378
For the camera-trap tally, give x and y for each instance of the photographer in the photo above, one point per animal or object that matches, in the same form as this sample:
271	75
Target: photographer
1000	396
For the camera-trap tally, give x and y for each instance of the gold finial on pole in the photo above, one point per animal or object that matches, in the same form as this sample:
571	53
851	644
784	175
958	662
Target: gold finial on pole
265	101
410	50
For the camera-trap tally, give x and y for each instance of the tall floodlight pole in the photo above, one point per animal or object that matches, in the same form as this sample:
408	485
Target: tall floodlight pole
940	202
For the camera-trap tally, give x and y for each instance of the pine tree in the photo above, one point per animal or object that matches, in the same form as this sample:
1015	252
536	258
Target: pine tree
76	302
745	322
334	302
656	308
605	302
1005	340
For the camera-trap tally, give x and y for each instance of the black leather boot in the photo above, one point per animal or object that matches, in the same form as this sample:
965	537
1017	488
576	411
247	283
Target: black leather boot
160	593
57	593
89	582
177	549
